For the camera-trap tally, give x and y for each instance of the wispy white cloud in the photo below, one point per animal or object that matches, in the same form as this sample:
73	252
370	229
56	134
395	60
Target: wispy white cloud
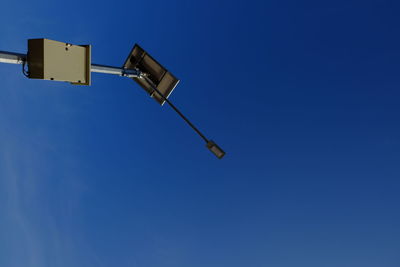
14	192
40	205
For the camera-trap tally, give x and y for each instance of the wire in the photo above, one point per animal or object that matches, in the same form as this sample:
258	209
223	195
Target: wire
24	71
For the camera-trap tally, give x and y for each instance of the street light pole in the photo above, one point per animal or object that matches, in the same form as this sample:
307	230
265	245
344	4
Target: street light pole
17	58
12	58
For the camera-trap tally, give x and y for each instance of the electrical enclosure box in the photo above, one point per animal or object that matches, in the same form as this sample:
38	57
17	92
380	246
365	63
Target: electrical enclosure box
58	61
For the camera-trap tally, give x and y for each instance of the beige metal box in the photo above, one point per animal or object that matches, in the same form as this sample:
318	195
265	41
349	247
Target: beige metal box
58	61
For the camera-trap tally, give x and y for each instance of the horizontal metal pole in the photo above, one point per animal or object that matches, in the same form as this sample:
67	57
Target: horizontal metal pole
17	58
114	70
12	58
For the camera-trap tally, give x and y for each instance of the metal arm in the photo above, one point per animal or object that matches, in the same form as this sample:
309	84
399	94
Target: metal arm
114	70
143	76
17	58
211	145
12	58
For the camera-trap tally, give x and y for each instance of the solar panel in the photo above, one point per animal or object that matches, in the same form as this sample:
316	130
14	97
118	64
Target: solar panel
161	78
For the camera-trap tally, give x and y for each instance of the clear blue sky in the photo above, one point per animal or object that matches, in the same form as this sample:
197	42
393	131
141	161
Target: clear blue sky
302	95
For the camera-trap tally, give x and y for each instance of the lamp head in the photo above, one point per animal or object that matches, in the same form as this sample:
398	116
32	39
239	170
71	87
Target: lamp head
215	149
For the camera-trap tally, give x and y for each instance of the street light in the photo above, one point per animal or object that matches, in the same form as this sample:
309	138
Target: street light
59	61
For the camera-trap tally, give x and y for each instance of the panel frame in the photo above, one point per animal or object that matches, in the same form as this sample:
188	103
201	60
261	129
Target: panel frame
161	78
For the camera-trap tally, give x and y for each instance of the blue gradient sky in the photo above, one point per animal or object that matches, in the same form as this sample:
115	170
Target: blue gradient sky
303	96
